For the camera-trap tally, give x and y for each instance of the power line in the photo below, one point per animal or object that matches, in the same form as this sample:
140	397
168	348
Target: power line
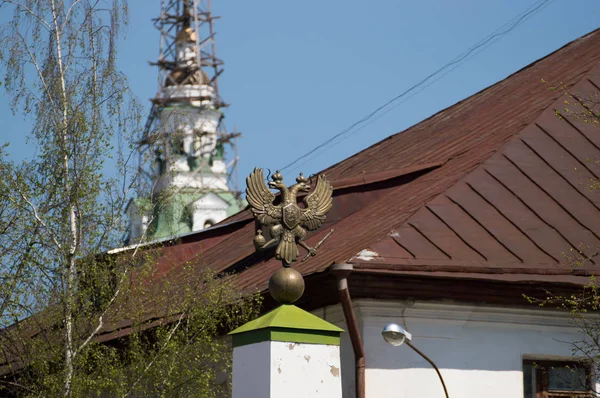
472	54
447	68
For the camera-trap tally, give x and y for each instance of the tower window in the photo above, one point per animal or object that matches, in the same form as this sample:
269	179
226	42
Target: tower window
557	379
208	223
177	143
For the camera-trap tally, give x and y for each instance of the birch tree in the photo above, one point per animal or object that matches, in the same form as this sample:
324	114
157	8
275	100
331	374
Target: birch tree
62	211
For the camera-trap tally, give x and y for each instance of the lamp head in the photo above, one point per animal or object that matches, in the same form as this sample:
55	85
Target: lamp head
395	334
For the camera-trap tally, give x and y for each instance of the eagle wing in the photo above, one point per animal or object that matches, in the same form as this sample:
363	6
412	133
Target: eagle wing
261	199
317	204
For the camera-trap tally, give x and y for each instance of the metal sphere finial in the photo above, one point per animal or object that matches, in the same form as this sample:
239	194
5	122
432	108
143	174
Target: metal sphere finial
286	285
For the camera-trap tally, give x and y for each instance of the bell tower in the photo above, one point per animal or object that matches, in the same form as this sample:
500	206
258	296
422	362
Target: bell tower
189	182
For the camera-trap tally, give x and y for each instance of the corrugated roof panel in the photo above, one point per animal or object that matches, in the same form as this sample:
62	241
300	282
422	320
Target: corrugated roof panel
545	238
418	244
562	136
512	239
577	206
442	236
470	231
544	206
575	171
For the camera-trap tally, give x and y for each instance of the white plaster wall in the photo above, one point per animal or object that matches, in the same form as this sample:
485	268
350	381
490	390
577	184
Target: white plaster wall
192	180
187	121
200	180
305	371
188	91
479	350
208	208
186	53
219	167
286	370
251	370
334	314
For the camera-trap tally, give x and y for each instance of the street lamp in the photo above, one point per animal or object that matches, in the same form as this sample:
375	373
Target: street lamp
396	335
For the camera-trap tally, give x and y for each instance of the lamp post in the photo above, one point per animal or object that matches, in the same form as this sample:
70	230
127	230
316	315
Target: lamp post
396	335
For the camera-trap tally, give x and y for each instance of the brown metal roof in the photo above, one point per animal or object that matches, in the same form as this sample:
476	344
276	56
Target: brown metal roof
489	192
485	196
523	209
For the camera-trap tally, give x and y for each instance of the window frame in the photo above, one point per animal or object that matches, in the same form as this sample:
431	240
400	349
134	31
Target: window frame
540	368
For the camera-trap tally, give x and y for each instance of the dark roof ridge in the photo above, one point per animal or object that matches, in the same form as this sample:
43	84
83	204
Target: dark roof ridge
339	184
380	176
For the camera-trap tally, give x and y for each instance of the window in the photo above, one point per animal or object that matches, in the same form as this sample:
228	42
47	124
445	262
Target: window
208	223
556	379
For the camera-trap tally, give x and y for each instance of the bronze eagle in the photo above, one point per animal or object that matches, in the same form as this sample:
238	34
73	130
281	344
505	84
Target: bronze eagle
288	222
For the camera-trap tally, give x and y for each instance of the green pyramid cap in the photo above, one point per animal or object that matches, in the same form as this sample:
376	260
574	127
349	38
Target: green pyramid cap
290	324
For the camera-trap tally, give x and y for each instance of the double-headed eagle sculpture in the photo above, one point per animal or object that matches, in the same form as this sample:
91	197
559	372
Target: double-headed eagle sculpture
288	223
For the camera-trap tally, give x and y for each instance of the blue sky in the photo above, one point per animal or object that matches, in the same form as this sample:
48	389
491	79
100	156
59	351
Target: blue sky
297	73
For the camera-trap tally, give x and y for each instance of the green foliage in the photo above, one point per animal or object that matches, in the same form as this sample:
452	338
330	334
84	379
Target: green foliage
77	318
174	345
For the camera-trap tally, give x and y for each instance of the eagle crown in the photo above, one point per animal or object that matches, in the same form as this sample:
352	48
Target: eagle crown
288	194
277	182
302	185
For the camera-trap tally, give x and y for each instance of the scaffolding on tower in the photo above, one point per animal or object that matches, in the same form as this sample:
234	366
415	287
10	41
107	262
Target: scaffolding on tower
177	16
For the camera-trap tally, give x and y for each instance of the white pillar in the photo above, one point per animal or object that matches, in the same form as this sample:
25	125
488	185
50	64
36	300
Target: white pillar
287	353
